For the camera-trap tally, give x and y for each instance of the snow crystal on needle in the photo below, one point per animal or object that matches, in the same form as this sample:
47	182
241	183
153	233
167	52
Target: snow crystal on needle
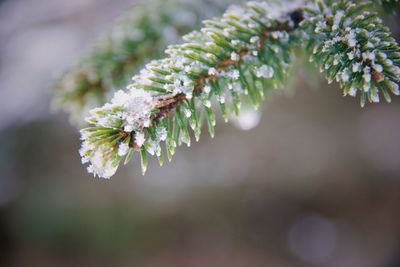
265	71
99	166
137	104
139	138
123	149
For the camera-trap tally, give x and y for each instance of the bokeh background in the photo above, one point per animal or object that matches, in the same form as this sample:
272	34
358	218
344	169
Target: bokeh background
310	180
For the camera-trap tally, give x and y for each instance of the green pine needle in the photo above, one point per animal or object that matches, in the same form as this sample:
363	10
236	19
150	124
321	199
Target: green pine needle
242	54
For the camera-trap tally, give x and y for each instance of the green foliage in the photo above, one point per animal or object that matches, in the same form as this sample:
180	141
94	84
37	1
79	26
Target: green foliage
389	6
352	47
142	34
245	53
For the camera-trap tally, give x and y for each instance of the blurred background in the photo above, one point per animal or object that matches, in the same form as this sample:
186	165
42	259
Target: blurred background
310	180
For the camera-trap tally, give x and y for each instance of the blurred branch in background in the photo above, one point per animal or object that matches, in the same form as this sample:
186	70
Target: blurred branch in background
316	183
38	41
142	35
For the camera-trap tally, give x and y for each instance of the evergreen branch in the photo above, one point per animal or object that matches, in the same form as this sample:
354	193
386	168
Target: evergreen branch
352	46
142	33
246	52
389	6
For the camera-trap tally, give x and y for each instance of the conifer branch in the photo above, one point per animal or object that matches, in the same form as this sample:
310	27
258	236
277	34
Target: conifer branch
351	45
142	34
245	52
388	6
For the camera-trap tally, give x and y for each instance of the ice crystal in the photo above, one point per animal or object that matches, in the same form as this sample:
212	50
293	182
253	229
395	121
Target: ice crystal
139	138
161	133
235	56
234	74
100	167
352	91
212	71
207	103
123	149
265	71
